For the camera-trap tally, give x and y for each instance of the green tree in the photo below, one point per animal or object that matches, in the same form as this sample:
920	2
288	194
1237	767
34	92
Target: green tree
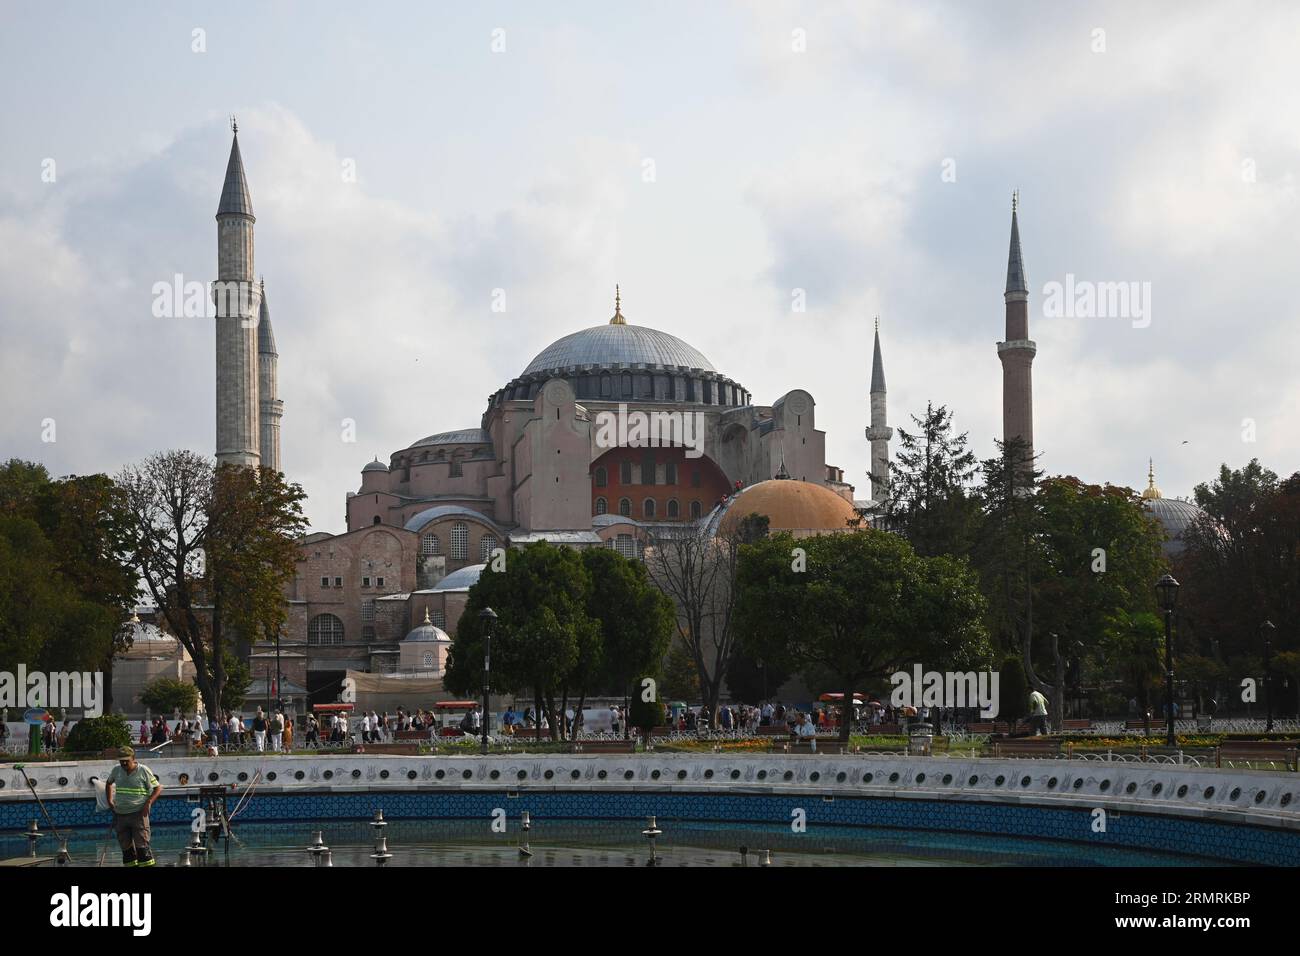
541	601
1133	648
65	587
214	548
1013	691
636	625
930	501
163	695
863	606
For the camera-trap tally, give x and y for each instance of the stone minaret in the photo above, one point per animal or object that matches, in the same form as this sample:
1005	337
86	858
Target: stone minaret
1017	352
268	389
238	303
879	433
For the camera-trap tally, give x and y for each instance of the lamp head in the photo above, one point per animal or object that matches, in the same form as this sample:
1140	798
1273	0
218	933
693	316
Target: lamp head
1167	592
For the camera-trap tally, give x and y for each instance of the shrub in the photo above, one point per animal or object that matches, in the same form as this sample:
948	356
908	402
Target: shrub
646	714
93	734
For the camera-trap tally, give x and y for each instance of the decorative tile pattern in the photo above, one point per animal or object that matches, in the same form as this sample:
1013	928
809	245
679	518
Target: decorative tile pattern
1208	839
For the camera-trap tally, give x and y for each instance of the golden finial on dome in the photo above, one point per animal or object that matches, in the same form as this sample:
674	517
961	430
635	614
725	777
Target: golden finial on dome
1152	491
426	617
618	309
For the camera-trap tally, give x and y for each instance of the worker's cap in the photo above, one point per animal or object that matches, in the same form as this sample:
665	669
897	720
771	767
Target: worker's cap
124	752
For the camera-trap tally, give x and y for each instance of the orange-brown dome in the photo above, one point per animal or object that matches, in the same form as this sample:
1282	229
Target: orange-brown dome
795	506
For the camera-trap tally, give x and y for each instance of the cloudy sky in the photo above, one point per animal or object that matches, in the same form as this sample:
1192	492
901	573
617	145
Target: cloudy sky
712	158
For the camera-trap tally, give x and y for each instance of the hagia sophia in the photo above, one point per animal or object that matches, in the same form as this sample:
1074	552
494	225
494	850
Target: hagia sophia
385	596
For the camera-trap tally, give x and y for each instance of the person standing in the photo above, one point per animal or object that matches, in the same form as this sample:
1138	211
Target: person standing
259	730
1038	713
288	732
131	790
277	731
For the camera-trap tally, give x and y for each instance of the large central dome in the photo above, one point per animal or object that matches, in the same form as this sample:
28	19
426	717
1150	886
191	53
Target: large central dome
621	362
618	346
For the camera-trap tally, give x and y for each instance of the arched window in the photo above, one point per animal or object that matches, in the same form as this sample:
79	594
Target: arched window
670	473
695	510
602	477
648	508
376	521
625	472
601	506
627	384
325	629
625	507
430	544
605	389
459	541
673	510
487	544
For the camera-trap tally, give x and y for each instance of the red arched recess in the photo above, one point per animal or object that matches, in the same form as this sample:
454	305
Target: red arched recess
697	479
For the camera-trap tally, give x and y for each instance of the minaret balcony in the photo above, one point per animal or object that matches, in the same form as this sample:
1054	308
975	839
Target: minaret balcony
1017	345
880	433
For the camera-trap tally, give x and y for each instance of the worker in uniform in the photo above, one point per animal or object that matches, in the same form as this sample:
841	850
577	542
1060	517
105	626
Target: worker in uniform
131	791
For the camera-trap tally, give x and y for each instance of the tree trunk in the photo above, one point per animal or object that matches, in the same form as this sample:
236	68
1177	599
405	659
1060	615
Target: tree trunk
846	714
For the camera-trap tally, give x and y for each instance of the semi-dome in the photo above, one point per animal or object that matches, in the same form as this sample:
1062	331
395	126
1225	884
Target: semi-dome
789	505
618	346
427	632
461	579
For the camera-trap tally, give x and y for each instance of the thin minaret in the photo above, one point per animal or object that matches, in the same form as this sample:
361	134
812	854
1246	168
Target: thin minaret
1017	352
879	432
238	304
268	388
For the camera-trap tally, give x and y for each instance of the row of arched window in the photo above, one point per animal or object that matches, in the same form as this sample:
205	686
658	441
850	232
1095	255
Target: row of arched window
647	474
649	508
431	544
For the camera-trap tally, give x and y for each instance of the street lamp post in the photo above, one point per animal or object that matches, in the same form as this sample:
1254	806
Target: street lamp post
1167	592
1267	629
489	619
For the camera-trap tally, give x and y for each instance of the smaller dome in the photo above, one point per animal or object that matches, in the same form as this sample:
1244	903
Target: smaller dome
375	465
427	632
141	633
796	506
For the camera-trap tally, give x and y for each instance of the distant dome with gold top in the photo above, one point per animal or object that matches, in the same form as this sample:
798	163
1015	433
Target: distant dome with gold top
1175	515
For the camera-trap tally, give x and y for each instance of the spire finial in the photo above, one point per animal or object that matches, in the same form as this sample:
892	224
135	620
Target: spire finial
1152	491
1015	199
618	318
234	126
426	617
877	325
